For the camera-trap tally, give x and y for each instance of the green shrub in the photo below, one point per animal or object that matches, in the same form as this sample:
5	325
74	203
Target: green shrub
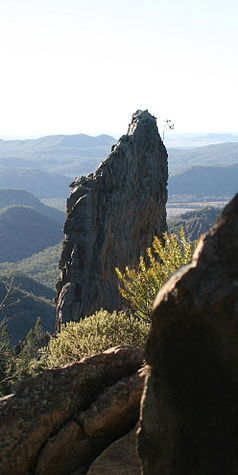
93	335
140	286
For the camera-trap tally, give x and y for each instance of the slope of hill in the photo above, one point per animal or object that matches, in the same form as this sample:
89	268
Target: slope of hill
195	222
210	155
68	154
24	231
42	267
27	284
23	308
205	181
9	197
41	183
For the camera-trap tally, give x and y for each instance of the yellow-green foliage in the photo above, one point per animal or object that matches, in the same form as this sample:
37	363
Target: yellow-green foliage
140	286
93	335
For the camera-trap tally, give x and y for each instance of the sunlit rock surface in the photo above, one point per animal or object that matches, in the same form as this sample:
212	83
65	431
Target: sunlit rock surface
60	421
112	217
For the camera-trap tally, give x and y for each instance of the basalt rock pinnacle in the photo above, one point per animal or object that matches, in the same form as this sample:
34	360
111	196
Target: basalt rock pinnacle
112	217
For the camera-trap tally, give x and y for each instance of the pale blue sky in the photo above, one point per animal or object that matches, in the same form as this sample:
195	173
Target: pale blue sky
77	66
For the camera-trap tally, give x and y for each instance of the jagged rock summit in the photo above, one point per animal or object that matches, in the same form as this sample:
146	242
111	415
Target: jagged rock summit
112	217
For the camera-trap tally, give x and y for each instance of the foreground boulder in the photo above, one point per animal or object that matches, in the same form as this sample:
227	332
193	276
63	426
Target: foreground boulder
60	421
112	217
121	458
189	419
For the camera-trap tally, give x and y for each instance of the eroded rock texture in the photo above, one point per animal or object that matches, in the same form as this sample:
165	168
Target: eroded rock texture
190	406
60	421
120	458
112	217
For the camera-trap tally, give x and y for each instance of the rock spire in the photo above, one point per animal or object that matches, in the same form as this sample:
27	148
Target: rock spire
112	217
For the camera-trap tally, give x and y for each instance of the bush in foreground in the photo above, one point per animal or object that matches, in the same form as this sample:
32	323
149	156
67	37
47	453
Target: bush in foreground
93	335
140	286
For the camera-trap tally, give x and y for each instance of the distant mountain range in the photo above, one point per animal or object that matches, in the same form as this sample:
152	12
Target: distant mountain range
25	231
71	155
197	140
34	165
205	181
41	183
211	155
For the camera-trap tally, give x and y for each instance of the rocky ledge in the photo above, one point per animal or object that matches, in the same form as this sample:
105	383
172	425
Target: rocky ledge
60	421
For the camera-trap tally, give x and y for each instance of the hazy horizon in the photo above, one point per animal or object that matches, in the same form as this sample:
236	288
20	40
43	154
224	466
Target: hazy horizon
169	135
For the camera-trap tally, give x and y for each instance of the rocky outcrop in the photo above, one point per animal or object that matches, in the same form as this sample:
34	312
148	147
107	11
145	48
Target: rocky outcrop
112	217
120	458
190	406
60	421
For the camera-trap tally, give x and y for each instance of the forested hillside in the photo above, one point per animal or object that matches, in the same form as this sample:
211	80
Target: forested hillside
23	307
42	266
207	181
24	231
195	222
9	197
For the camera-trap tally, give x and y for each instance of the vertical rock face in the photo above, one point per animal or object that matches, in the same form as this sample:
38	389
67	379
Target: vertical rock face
112	217
190	406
